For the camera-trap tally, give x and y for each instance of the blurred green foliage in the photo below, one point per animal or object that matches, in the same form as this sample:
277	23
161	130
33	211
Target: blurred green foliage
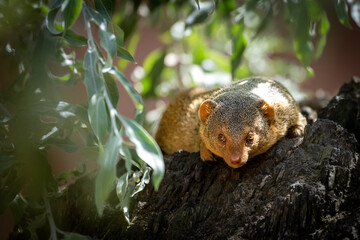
205	43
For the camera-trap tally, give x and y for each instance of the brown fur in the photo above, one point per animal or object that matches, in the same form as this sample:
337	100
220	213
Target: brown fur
236	122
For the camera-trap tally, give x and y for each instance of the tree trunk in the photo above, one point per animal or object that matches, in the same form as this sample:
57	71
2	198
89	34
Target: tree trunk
303	188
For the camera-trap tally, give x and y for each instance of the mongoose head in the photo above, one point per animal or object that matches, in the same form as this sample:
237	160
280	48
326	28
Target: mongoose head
236	128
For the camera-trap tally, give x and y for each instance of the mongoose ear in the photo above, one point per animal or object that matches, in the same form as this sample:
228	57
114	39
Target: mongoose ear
206	109
266	110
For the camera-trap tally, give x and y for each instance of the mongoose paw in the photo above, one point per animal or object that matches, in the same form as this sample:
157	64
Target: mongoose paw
298	129
206	155
295	131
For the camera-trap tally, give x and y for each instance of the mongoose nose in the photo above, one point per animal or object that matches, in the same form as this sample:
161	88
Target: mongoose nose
235	160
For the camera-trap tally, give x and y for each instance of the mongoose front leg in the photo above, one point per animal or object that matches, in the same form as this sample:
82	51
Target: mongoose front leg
205	153
299	128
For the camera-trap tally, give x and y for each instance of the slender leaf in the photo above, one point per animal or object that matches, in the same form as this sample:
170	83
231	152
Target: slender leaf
154	66
239	45
106	176
304	50
146	148
144	181
94	16
74	39
93	81
98	116
50	21
342	12
199	15
197	3
99	5
123	53
118	32
134	95
108	42
355	12
123	191
323	30
70	11
112	89
122	186
302	43
128	159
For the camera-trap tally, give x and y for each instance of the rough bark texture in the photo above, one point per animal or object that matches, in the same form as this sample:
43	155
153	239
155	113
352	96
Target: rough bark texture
303	188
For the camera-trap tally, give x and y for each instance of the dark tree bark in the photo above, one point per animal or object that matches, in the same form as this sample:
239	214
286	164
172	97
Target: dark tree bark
303	188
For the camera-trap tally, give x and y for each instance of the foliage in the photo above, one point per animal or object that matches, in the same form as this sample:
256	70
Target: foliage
226	40
205	42
42	119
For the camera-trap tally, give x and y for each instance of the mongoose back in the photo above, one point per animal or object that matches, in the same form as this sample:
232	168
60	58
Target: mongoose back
235	123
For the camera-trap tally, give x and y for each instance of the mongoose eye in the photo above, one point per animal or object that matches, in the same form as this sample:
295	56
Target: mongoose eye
222	138
250	138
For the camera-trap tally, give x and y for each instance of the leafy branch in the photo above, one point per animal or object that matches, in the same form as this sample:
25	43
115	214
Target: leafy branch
100	125
110	137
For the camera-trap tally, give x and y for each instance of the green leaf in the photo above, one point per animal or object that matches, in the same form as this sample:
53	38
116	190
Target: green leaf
199	15
123	192
146	148
106	176
107	41
123	53
99	5
239	45
71	10
324	29
126	152
118	32
98	116
50	21
302	43
112	89
74	39
144	181
95	16
304	50
93	81
342	12
134	95
197	3
355	11
154	66
310	72
64	78
122	186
